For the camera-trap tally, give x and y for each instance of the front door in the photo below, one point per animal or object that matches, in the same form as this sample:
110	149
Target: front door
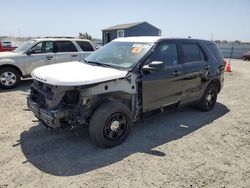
39	55
162	87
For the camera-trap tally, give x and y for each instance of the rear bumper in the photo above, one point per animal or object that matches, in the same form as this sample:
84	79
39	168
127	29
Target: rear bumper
50	118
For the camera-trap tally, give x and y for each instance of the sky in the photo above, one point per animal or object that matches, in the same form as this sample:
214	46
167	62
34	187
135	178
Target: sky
206	19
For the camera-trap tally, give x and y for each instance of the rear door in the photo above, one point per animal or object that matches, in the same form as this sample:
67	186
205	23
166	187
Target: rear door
86	48
195	69
66	51
41	54
162	87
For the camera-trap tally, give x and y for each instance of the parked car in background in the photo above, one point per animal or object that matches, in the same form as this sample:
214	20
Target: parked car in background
123	81
6	46
246	56
39	52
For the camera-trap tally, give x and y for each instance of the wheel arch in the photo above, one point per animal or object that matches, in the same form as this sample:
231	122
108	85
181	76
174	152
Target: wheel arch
93	103
216	82
12	66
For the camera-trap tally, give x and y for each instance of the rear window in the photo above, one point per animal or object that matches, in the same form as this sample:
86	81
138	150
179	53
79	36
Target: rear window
191	53
214	51
85	46
65	46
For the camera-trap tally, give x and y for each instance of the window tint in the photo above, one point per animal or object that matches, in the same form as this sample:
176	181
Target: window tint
166	52
85	46
65	46
191	53
43	47
214	50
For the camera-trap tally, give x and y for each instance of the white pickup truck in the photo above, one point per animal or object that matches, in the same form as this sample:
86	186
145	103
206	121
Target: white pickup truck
39	52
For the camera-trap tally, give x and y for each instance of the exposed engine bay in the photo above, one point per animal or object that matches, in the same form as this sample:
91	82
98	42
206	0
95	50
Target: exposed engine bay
71	106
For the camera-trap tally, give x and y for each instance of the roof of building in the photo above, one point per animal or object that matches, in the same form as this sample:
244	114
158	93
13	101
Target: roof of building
139	39
126	26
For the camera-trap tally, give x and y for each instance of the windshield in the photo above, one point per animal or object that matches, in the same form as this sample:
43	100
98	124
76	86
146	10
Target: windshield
119	54
24	46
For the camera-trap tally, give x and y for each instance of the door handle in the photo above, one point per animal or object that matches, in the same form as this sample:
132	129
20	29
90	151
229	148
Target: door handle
49	57
176	73
207	67
75	55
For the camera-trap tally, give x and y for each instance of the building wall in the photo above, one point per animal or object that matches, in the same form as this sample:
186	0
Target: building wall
144	29
113	35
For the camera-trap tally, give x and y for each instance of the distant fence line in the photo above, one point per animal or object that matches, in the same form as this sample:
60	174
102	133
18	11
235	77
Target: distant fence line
233	50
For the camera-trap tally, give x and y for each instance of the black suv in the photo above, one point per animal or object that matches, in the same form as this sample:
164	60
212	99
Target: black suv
124	80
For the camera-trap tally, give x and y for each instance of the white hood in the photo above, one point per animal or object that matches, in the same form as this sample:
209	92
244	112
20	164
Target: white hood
75	74
8	54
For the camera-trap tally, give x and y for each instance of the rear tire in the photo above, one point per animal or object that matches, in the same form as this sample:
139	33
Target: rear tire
9	78
208	99
110	124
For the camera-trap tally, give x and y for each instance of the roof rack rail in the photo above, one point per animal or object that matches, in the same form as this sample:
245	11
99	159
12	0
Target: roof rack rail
60	37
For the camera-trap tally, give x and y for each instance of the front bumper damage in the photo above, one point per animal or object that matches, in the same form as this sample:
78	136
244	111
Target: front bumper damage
50	118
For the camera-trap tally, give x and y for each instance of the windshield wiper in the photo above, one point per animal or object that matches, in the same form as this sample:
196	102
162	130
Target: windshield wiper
97	63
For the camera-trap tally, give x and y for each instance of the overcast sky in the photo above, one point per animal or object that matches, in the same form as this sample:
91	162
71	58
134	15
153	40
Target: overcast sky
222	19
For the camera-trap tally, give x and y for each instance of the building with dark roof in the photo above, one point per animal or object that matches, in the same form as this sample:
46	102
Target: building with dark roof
129	30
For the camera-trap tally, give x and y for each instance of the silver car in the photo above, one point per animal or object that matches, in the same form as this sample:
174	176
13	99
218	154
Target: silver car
39	52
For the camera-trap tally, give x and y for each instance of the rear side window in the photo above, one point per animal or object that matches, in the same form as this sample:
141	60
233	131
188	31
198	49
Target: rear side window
214	50
65	46
191	53
85	46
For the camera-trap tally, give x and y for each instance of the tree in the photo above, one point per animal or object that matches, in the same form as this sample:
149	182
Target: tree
85	36
237	41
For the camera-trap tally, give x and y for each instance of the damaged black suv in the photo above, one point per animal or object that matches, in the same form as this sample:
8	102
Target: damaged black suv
124	80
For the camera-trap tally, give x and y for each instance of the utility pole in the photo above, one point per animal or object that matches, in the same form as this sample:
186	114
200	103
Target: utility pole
19	34
212	37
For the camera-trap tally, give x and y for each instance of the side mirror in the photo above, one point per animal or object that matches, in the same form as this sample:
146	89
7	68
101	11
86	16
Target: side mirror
30	52
154	65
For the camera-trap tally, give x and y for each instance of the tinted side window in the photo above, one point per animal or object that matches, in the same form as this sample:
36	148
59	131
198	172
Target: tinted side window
214	50
191	53
166	52
65	46
85	46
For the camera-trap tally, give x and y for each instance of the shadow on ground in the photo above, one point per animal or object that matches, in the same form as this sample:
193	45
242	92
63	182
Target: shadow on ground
64	153
23	86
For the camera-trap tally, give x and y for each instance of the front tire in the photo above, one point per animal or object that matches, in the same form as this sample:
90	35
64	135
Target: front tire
9	78
110	124
208	99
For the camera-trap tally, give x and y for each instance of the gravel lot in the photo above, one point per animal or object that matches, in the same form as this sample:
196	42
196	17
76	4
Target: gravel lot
179	148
